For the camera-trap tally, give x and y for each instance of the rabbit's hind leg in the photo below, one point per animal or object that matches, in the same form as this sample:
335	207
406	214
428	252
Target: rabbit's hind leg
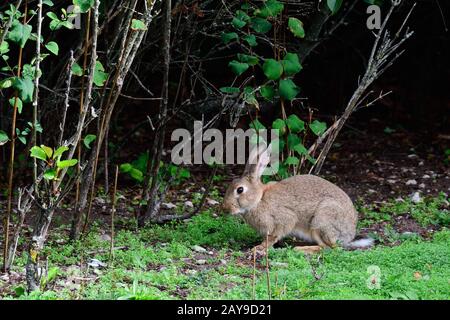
308	249
322	242
323	229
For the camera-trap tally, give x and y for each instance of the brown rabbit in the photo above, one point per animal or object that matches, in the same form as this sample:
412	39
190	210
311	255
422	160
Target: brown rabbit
304	206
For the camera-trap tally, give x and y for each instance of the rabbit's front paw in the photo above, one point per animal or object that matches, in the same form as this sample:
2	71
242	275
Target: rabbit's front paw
259	251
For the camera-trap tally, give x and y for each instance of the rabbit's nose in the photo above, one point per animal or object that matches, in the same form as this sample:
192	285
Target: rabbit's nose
225	207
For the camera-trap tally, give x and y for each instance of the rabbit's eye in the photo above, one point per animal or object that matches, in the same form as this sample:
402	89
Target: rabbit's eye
240	190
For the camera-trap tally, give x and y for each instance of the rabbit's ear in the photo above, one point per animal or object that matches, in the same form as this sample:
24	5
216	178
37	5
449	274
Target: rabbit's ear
258	160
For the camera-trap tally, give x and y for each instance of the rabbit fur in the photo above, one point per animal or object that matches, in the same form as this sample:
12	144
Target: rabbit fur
305	206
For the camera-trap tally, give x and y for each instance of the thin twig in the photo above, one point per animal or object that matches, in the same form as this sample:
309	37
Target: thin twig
113	212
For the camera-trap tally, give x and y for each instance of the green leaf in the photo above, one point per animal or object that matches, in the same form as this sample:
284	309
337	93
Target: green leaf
48	3
271	8
25	86
184	173
136	174
12	102
267	92
240	20
295	124
53	47
19	33
296	27
3	137
230	90
55	25
66	163
38	153
58	153
273	69
291	64
228	37
6	83
238	67
50	174
48	151
28	72
257	125
84	5
293	140
260	25
22	139
52	16
89	139
52	274
279	124
251	40
288	89
318	127
237	23
100	76
292	161
138	25
67	24
4	48
301	150
334	5
125	167
251	60
77	70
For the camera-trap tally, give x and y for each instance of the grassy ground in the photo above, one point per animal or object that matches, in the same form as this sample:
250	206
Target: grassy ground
208	258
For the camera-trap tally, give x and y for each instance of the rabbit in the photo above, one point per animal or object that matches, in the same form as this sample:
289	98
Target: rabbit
305	206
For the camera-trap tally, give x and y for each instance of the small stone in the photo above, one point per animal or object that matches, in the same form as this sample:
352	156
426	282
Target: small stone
198	249
421	163
95	263
168	205
105	237
371	191
426	176
201	261
412	156
411	182
416	197
211	253
212	202
189	204
422	185
391	181
223	261
100	200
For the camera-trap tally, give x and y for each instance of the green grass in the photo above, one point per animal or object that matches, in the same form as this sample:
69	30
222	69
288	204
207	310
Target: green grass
160	263
430	211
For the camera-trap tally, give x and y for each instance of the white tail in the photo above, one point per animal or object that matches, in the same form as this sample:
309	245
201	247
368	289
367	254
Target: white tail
361	243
